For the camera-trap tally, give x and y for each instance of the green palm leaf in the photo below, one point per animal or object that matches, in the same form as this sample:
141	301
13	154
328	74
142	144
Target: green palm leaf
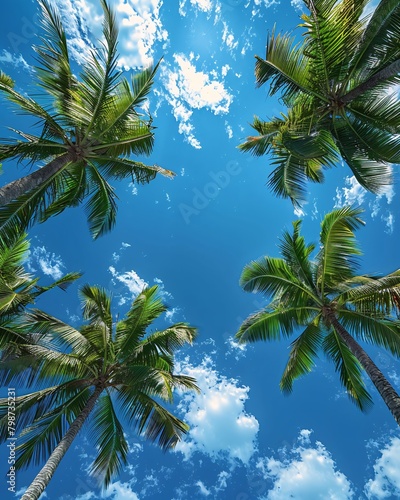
336	260
302	354
349	370
108	437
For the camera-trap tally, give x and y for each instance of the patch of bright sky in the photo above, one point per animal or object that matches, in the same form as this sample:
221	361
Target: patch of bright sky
219	425
306	471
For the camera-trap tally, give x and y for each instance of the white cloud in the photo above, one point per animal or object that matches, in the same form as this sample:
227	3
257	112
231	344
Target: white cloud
229	130
354	194
139	24
188	89
389	220
386	483
161	289
228	38
49	263
86	496
297	4
201	5
72	12
120	491
171	313
130	279
238	350
134	189
8	58
219	424
125	245
306	472
202	489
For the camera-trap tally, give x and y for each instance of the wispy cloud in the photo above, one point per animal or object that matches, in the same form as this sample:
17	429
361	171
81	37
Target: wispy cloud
15	60
49	263
131	280
189	89
351	193
354	193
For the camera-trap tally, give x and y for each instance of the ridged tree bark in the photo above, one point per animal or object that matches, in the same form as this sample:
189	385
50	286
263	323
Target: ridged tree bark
383	386
40	482
16	188
385	73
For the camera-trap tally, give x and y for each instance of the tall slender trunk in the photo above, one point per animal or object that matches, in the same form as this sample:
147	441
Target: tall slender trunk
385	389
15	189
392	70
40	482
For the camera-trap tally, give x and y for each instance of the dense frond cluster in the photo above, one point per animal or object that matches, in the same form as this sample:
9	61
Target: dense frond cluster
133	368
321	295
339	88
89	127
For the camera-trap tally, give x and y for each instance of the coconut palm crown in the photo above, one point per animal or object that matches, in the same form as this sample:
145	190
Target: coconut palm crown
329	304
88	129
112	374
339	87
18	288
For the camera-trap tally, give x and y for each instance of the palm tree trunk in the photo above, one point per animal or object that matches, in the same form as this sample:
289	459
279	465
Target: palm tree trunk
385	389
385	73
40	482
15	189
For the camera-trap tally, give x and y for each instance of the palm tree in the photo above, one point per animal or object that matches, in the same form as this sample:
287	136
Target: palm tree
99	371
331	304
18	289
89	128
339	88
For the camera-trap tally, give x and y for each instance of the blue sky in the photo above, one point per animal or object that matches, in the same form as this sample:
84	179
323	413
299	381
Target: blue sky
192	236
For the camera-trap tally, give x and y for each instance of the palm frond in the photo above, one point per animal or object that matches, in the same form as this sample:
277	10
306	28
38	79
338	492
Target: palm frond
273	323
154	422
96	303
379	43
99	75
37	441
336	259
108	436
296	253
302	354
120	168
54	70
146	308
349	369
373	330
274	277
285	65
101	208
